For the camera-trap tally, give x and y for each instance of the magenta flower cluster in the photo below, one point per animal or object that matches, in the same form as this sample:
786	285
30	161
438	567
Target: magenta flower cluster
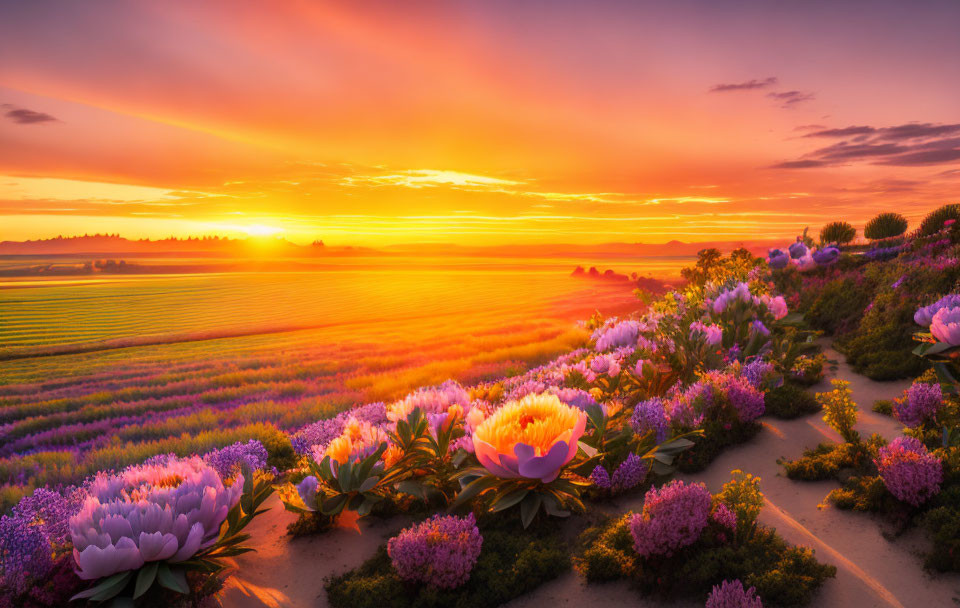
745	398
724	517
651	416
673	517
920	404
440	551
731	594
712	334
909	472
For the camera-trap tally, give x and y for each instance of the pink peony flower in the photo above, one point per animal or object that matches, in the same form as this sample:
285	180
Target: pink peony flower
148	513
945	326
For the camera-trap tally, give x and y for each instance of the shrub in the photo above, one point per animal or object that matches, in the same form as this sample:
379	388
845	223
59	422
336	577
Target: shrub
512	561
943	526
743	496
782	574
935	219
837	232
731	594
440	551
885	226
673	517
828	459
790	401
910	473
839	410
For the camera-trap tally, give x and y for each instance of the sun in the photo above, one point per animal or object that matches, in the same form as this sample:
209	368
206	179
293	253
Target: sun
261	230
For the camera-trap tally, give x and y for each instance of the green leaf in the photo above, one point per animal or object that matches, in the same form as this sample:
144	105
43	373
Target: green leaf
345	475
108	588
408	486
174	579
510	499
369	483
334	504
145	578
365	507
473	488
529	507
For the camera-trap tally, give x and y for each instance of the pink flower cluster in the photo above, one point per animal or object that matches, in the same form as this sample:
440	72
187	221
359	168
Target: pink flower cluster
724	517
910	473
731	594
673	517
920	403
440	551
624	333
712	334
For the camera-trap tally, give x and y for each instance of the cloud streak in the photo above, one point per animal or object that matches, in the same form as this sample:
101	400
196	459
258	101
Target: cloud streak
749	85
905	145
23	116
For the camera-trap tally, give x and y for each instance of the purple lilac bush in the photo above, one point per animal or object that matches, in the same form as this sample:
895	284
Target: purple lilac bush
731	594
920	404
229	461
909	472
650	416
440	551
673	517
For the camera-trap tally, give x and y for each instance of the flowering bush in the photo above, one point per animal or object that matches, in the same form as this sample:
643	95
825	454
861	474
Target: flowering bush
430	400
919	404
673	517
228	461
440	551
839	410
908	471
34	538
711	334
650	416
730	594
624	333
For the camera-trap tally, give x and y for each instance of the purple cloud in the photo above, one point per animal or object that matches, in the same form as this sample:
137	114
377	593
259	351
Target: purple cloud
23	116
909	144
749	85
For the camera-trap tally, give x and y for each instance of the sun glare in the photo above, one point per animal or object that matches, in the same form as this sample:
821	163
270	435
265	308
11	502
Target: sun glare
262	230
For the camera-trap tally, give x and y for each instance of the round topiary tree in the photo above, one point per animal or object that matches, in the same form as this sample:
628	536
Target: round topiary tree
934	221
885	226
839	233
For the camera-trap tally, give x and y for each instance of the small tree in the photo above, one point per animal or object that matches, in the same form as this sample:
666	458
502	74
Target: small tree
934	221
885	226
840	233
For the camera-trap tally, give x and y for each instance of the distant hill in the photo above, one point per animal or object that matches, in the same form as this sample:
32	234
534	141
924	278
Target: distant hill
671	248
114	244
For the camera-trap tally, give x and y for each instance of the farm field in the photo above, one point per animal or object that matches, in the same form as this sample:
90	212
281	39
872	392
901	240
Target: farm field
232	356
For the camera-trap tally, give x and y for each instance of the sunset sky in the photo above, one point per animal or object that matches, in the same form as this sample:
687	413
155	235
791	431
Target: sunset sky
476	122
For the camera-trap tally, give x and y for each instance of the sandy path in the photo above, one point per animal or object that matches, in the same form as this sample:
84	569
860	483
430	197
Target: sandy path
872	571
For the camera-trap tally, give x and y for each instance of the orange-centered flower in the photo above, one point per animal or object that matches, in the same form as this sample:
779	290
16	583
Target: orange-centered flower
533	437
